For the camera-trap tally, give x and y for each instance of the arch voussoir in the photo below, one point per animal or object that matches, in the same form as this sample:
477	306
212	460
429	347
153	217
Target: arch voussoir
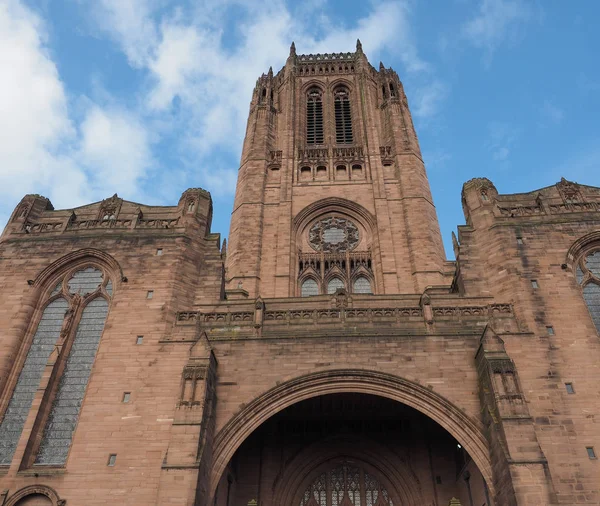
464	429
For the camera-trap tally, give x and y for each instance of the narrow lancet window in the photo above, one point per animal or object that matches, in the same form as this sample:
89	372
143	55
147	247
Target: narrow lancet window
61	422
588	276
314	117
44	340
343	119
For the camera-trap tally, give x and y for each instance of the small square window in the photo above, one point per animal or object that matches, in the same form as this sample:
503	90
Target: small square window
519	240
126	396
550	330
139	339
112	459
150	294
534	283
159	252
569	387
591	452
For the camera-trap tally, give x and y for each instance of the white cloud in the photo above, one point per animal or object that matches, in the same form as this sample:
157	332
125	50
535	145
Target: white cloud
502	137
34	121
202	84
427	99
43	150
115	149
495	22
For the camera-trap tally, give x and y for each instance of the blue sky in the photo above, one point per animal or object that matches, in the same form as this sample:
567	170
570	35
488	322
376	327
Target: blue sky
149	97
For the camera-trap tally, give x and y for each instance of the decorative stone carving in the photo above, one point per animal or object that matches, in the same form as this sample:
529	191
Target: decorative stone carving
109	208
569	191
333	235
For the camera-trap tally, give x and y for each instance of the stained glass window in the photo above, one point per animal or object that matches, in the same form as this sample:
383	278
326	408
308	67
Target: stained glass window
310	288
85	281
45	338
61	422
588	275
79	350
361	285
346	485
334	284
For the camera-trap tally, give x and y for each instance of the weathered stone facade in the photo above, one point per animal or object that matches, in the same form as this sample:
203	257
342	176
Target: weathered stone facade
398	378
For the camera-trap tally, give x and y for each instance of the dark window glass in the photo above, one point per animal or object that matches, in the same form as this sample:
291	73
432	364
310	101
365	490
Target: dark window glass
45	338
343	119
58	433
314	117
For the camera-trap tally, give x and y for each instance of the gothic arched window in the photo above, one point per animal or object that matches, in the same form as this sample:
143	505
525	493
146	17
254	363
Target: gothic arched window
310	288
334	284
588	276
343	117
346	485
314	117
81	296
361	285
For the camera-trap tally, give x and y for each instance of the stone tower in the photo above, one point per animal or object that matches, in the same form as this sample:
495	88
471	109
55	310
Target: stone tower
331	356
330	136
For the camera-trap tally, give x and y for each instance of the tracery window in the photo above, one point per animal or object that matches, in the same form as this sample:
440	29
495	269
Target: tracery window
361	285
80	297
310	288
343	118
334	284
346	485
314	117
588	276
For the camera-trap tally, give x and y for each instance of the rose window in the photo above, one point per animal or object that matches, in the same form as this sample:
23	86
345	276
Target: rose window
333	235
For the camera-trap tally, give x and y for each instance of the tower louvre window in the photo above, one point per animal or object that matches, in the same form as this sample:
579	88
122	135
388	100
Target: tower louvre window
343	118
314	117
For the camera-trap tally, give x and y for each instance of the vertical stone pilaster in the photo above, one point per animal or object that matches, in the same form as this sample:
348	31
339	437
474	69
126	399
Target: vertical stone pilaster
185	470
520	468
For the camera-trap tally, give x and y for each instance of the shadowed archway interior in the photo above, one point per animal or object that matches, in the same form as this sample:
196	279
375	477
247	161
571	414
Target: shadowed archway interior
350	449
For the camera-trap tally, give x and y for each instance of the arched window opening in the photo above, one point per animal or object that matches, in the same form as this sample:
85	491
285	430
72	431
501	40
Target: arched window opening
357	171
588	276
310	288
81	300
61	422
314	117
361	285
343	119
383	91
392	90
46	336
321	172
345	485
341	172
334	284
305	174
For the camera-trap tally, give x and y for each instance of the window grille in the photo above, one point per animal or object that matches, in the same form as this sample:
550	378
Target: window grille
314	117
81	301
588	275
343	119
45	338
334	285
344	485
361	285
62	420
310	288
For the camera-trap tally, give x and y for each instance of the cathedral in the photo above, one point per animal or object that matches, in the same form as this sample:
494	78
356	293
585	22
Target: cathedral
328	354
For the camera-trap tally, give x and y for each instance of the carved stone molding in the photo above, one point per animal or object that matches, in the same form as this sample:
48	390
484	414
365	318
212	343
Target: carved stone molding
44	490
